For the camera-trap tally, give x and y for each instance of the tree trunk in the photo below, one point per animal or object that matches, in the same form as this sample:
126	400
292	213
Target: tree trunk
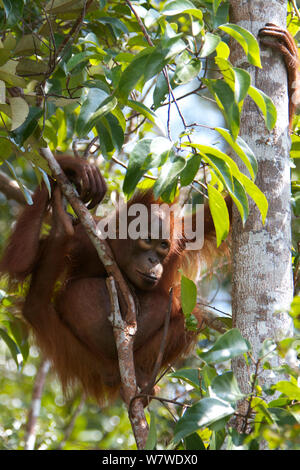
262	272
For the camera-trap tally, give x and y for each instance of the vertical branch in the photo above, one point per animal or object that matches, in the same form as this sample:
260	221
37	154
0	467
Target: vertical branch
124	336
34	410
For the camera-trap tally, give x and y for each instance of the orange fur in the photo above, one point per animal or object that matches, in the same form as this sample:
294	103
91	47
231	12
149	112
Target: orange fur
72	329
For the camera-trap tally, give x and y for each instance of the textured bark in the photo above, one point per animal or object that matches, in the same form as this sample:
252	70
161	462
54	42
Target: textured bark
262	272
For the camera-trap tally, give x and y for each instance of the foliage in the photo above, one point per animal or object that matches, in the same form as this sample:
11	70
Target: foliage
85	75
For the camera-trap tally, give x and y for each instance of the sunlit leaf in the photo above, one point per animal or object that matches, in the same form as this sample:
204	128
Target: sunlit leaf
14	350
226	388
19	112
266	105
188	295
242	149
230	344
246	40
211	41
93	100
168	175
219	213
203	414
152	434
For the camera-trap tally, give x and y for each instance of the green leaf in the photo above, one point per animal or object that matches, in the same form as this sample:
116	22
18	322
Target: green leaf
242	150
28	45
22	133
246	40
186	72
189	172
138	164
6	148
256	194
93	100
240	199
154	64
288	388
230	344
226	97
217	439
283	417
178	7
206	412
188	295
20	336
14	350
194	442
133	72
191	376
117	25
36	68
226	388
168	175
152	435
19	111
216	4
106	107
221	15
23	188
8	73
160	149
295	148
268	346
211	42
115	129
222	169
13	11
219	213
105	138
81	57
141	108
242	82
266	106
161	89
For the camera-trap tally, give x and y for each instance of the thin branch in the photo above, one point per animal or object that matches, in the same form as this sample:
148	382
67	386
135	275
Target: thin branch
211	320
296	9
124	337
34	410
10	189
68	430
145	33
74	31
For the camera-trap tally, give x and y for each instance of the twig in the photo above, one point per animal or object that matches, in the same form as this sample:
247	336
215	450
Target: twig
145	33
68	430
10	189
74	31
116	160
296	9
34	410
